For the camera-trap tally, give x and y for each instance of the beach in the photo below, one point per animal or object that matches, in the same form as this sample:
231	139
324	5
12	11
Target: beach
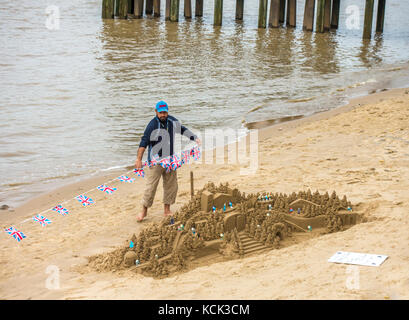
75	104
360	150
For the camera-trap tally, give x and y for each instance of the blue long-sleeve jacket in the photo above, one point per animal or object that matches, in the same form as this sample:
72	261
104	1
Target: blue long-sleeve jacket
159	136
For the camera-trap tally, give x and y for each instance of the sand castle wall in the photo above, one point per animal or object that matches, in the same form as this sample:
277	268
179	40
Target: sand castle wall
252	224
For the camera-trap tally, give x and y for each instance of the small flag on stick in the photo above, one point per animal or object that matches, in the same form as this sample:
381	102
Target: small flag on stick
139	172
42	220
85	201
126	179
18	235
104	188
61	210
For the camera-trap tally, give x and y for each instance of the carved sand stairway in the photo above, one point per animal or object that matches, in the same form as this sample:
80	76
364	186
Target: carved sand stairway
250	245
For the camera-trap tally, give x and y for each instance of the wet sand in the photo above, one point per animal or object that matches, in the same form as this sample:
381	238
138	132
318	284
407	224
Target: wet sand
360	150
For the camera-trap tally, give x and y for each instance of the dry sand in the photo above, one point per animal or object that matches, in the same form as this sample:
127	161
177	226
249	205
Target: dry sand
360	150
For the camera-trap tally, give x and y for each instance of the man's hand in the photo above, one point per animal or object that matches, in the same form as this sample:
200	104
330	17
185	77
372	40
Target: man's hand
138	164
199	143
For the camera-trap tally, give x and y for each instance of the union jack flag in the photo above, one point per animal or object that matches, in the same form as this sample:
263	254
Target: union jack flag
60	209
175	162
126	179
195	153
42	220
86	201
185	156
145	163
106	189
18	235
139	172
165	163
154	161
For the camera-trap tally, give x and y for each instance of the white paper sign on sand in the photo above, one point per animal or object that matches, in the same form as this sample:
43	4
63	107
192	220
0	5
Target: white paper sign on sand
363	259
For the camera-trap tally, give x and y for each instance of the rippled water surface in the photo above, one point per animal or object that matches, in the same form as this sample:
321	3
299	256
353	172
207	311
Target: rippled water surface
76	100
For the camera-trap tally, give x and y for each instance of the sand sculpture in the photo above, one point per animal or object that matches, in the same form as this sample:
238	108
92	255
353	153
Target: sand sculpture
221	223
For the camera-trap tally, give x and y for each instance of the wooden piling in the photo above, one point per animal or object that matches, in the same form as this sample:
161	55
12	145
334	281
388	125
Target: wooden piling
188	9
380	17
320	16
108	9
149	7
156	8
138	9
282	11
199	8
123	9
369	5
239	9
291	13
274	18
327	15
262	13
335	14
167	10
309	11
131	4
174	10
218	12
116	7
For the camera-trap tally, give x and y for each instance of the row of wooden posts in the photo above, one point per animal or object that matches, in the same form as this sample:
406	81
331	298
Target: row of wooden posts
327	12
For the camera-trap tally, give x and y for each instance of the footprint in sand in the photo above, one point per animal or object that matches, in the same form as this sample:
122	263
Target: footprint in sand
206	284
130	207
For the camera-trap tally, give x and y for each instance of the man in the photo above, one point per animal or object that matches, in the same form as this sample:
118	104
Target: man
159	137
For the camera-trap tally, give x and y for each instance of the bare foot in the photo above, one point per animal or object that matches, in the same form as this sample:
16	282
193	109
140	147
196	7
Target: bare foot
168	213
141	216
166	210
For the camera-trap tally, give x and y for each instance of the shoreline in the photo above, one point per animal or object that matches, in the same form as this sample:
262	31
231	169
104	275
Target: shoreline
359	150
351	105
70	190
353	92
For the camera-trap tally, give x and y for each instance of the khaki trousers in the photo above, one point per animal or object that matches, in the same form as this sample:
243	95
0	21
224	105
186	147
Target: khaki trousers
170	185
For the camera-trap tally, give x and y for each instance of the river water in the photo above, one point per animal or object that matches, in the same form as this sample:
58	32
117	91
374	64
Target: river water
75	98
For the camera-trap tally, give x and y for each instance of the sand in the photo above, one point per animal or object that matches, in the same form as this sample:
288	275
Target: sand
360	150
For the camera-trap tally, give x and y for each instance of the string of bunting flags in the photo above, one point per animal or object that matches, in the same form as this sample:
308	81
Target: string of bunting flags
172	162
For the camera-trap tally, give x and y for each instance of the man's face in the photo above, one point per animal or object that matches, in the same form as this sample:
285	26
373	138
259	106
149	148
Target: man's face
161	115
